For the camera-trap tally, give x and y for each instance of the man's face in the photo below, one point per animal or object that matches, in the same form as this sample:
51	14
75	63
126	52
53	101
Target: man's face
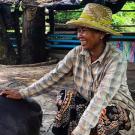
89	38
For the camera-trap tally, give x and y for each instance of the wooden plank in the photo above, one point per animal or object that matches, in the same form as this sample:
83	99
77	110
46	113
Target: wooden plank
62	46
63	41
63	35
123	37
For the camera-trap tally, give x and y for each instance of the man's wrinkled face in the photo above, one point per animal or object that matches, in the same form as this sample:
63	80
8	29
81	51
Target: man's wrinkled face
89	38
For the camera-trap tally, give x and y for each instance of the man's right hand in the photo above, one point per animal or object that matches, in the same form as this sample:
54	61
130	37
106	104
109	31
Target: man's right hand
11	93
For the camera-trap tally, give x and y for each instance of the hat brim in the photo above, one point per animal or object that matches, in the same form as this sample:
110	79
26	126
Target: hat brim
94	25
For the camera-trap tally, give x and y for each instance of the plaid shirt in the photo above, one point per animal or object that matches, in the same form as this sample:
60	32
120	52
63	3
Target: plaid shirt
104	80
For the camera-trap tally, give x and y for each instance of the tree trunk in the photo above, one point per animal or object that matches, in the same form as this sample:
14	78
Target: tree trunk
7	52
33	40
16	27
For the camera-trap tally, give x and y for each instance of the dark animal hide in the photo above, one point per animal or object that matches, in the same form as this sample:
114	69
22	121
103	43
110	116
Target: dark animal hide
21	117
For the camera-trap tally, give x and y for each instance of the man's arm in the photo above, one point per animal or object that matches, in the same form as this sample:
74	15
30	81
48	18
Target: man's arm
62	68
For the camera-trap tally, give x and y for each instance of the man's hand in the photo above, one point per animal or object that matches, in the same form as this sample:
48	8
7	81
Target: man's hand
11	93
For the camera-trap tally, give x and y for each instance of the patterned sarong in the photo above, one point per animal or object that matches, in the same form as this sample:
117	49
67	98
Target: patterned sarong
71	107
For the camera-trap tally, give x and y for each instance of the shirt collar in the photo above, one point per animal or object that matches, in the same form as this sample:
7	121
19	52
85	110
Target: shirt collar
100	59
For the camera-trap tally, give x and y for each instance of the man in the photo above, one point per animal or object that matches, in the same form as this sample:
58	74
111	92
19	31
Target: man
100	103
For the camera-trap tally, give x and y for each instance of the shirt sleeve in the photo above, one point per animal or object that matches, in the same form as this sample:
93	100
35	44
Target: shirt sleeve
62	68
107	89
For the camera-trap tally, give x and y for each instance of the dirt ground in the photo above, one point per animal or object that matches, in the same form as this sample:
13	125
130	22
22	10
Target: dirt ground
21	77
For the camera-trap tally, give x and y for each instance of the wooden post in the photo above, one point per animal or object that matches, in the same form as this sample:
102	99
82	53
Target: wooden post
33	41
7	53
51	20
16	26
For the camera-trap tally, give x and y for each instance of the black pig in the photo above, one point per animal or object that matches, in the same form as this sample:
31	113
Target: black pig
19	117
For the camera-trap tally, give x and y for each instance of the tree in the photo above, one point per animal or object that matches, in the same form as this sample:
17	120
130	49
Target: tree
33	40
7	53
125	18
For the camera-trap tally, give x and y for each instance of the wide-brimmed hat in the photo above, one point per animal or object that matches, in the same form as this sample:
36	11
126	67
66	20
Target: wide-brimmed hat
95	16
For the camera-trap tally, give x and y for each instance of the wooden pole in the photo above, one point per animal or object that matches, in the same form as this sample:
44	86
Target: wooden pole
16	26
51	20
33	40
7	53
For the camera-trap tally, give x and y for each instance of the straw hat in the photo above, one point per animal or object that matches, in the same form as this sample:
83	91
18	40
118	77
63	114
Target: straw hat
95	16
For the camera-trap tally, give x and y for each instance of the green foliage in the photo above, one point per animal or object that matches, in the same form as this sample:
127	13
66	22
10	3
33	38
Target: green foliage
121	18
125	18
64	16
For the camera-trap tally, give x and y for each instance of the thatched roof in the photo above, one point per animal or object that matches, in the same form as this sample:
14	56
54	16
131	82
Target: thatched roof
44	3
52	3
115	5
9	1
